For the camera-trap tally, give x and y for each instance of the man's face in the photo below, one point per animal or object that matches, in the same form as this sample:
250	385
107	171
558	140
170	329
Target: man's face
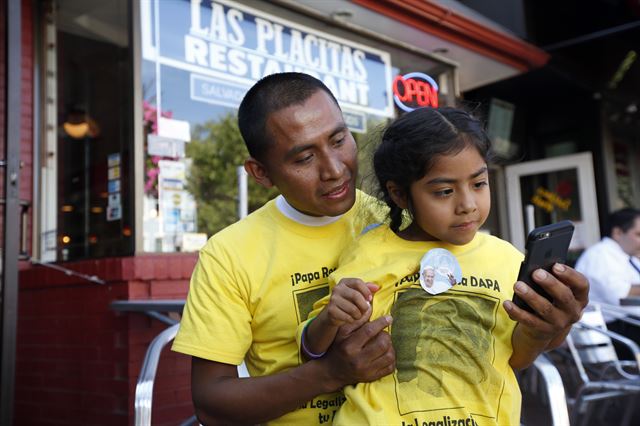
630	240
313	158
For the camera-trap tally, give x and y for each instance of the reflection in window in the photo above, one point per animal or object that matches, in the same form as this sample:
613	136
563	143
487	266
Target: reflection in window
190	188
554	196
198	61
92	91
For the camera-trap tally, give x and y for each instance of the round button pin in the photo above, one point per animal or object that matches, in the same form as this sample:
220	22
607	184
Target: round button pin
439	271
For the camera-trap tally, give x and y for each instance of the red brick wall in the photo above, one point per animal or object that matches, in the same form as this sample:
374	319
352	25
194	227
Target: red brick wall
78	361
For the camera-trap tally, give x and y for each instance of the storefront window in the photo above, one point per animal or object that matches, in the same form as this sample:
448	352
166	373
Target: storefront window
552	197
199	59
85	170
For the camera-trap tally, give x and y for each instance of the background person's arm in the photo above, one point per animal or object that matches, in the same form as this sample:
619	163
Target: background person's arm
220	397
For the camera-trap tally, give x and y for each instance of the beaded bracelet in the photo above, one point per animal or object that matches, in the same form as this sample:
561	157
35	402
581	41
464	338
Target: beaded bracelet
306	351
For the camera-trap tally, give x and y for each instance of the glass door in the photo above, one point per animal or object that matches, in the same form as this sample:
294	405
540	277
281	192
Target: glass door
546	191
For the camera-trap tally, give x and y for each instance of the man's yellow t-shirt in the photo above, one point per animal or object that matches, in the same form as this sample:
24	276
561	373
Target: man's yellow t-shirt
255	282
452	349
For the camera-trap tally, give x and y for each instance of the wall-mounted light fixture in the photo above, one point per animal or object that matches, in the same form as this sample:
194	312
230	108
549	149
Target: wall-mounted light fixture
79	125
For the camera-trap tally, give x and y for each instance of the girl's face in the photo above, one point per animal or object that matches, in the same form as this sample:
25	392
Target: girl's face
452	201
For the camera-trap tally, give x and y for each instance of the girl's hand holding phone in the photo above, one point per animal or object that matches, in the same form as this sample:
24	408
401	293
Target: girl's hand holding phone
548	324
546	288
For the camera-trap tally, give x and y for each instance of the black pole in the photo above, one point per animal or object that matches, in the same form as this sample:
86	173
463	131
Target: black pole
9	294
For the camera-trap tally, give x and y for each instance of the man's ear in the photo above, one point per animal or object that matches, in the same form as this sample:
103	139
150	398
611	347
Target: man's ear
398	195
616	233
258	172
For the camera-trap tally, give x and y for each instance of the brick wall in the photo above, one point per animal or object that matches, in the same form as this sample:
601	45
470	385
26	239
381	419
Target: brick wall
78	361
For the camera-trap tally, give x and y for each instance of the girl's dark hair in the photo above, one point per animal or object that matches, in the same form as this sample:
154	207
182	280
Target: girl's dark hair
411	143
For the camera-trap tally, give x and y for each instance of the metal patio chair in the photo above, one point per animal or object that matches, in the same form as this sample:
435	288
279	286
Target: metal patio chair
601	375
543	382
146	379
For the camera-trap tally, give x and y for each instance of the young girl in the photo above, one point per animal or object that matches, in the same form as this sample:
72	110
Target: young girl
456	346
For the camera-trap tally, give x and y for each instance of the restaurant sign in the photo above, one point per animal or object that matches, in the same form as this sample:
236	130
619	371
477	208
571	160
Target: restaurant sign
225	47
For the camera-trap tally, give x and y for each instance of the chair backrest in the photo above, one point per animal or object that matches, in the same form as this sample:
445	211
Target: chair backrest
593	346
147	377
554	390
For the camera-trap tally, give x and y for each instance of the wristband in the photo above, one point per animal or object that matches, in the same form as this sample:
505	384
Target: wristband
306	351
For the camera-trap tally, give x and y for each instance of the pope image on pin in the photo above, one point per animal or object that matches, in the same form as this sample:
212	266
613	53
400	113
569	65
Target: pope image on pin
439	271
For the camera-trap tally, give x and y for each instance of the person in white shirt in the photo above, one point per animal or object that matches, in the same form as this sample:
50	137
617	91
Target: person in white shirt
612	265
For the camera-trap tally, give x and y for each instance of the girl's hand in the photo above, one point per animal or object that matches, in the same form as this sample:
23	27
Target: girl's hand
350	300
570	293
552	321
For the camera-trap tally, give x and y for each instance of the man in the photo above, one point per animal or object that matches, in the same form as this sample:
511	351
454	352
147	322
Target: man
258	279
612	265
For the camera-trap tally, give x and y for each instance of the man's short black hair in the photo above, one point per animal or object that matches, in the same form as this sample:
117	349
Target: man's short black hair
623	219
270	94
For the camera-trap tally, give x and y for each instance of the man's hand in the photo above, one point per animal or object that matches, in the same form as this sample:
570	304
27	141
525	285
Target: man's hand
362	352
552	321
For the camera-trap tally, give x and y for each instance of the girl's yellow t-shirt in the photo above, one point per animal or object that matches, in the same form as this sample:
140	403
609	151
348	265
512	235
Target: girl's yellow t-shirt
452	349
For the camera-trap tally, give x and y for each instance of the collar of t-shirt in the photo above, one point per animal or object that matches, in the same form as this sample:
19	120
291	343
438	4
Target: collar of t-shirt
287	209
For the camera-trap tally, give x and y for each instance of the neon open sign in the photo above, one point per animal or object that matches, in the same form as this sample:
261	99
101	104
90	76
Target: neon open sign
415	90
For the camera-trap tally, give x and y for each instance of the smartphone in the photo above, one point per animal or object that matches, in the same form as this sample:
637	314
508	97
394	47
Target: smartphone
545	246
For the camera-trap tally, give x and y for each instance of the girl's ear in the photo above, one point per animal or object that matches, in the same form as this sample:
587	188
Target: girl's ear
258	172
398	195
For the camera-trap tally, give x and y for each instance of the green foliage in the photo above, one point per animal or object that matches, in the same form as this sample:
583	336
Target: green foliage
215	151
